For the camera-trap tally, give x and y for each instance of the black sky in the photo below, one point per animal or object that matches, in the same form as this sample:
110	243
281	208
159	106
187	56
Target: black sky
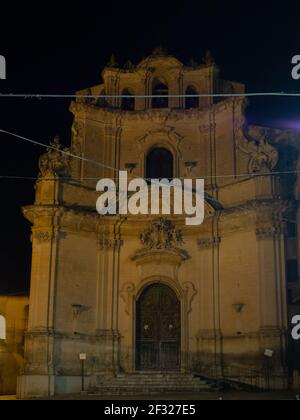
60	49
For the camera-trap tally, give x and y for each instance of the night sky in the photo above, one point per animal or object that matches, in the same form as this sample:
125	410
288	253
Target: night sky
54	50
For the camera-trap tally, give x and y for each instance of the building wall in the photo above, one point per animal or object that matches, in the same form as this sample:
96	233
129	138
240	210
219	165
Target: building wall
89	271
15	312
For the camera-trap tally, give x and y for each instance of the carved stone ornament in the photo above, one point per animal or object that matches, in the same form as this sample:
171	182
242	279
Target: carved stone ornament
161	234
43	237
263	157
126	293
161	242
190	293
56	162
77	135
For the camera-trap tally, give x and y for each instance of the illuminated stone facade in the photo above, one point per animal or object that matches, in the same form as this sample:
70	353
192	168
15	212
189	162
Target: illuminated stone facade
13	323
89	273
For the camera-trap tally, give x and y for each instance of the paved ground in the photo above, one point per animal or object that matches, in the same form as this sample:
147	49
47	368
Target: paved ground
212	396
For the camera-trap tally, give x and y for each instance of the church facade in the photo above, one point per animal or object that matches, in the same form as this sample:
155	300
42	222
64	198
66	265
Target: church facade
143	293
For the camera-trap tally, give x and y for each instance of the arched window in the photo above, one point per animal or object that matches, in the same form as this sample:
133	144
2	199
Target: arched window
2	328
128	102
160	164
161	91
191	102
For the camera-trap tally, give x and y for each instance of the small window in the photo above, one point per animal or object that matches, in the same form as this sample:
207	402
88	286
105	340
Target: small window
128	101
2	328
160	91
191	100
160	164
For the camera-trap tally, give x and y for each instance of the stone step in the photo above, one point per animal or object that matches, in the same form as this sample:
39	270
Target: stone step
183	380
149	384
178	387
148	381
152	383
146	391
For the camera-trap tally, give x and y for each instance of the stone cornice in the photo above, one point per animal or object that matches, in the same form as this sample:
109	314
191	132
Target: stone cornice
98	336
85	110
48	217
273	205
265	217
31	213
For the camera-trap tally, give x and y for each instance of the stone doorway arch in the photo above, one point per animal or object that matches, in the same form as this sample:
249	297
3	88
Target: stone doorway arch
158	329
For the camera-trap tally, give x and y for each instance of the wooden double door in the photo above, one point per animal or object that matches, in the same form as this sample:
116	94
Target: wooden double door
158	330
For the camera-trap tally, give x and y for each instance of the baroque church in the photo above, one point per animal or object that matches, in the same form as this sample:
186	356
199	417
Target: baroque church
145	295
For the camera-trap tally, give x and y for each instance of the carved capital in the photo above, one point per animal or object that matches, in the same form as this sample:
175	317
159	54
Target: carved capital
207	243
43	236
267	232
46	236
104	244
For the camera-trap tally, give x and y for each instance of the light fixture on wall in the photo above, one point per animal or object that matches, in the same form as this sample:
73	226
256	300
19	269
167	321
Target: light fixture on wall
190	166
238	307
78	310
130	167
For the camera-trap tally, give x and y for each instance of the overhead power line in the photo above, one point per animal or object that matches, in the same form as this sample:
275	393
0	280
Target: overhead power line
200	95
102	165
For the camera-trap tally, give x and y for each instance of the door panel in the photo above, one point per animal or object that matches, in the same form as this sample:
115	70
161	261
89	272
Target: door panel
158	329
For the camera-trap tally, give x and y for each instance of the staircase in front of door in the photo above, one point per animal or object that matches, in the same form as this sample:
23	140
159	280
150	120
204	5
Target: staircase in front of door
145	383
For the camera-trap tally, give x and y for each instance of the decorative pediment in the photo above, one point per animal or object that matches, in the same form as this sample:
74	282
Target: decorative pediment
162	235
161	245
166	132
